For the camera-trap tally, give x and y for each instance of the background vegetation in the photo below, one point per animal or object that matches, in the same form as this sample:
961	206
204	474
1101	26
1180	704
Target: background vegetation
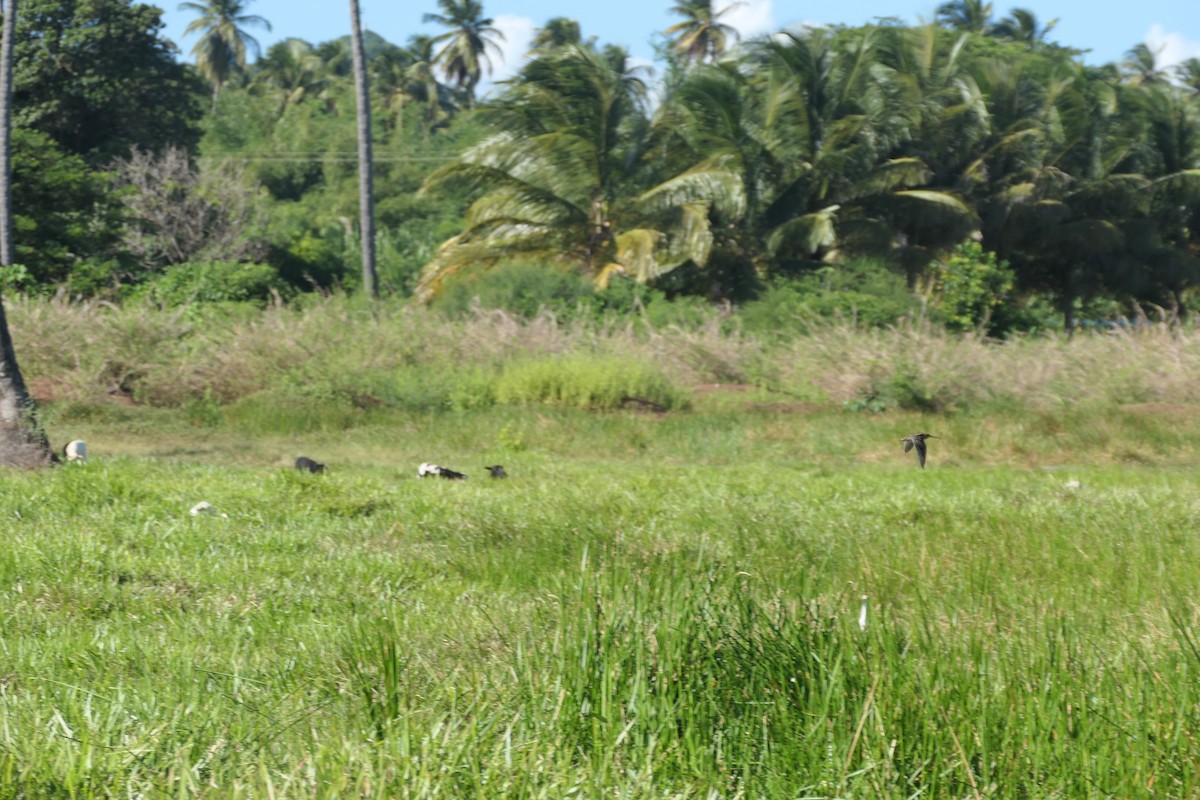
972	164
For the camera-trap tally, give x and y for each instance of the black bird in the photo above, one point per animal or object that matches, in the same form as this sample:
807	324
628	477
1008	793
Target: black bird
306	464
917	440
497	471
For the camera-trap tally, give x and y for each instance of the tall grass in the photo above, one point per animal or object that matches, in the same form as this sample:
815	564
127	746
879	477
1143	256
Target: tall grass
686	632
343	353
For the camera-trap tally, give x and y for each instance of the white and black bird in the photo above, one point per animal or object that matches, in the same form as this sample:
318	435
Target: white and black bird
75	452
917	440
497	471
434	471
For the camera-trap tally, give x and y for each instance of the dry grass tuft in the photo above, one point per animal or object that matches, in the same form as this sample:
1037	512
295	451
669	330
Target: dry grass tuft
86	352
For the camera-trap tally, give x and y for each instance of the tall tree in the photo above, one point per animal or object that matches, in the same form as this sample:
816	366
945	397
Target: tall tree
1141	66
293	68
972	16
557	32
1188	73
465	46
406	75
366	171
1021	25
98	77
6	102
701	36
221	49
22	440
565	177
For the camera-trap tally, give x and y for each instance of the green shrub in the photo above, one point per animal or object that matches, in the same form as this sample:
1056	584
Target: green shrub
628	298
970	286
590	382
213	282
863	291
522	288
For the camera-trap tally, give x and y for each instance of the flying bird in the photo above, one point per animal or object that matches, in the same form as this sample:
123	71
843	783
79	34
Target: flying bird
917	440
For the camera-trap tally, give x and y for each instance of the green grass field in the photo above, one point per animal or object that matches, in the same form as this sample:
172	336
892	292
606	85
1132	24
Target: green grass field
651	606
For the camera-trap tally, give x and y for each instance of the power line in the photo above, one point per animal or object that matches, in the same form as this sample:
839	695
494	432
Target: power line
324	157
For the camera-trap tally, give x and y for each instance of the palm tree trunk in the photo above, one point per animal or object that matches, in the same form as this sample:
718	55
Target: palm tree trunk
366	172
22	440
6	63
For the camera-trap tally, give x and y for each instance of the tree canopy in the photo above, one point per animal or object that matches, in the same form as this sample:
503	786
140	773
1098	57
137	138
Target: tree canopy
742	164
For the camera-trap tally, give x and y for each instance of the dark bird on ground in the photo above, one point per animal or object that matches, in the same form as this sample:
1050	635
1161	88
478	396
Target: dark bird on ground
497	471
434	471
917	440
306	464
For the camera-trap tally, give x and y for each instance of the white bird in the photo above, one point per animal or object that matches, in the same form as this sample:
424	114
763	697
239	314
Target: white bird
862	614
75	452
204	506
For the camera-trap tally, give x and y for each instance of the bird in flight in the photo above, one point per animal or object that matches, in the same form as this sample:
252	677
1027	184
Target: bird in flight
917	440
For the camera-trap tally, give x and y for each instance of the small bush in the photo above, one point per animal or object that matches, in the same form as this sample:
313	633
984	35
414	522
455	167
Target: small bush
521	288
864	292
589	382
213	282
970	286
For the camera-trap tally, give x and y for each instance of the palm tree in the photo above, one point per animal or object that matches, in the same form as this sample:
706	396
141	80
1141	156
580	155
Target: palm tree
972	16
6	69
465	51
701	36
22	440
366	169
1188	73
1141	66
406	75
221	49
565	177
831	160
1021	25
293	68
557	32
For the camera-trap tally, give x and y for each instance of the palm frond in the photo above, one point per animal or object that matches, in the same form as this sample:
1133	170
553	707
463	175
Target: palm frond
806	234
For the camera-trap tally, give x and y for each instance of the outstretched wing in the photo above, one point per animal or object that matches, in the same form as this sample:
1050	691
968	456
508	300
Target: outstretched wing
921	454
908	445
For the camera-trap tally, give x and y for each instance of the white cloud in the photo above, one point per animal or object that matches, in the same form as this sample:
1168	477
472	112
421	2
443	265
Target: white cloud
750	18
1172	48
518	35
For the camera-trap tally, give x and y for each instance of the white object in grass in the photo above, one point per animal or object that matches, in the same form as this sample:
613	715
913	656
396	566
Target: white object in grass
862	614
204	507
75	452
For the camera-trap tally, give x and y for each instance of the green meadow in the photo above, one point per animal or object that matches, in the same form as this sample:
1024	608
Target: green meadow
656	604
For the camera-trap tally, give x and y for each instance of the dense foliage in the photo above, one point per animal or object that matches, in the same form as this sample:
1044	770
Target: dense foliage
985	167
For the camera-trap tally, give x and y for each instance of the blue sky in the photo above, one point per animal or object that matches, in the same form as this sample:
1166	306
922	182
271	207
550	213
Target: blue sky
1106	29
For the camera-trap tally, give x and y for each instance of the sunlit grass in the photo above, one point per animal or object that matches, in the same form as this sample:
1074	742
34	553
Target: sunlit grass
652	605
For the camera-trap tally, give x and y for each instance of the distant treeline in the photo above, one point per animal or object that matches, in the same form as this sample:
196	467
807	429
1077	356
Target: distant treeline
979	163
